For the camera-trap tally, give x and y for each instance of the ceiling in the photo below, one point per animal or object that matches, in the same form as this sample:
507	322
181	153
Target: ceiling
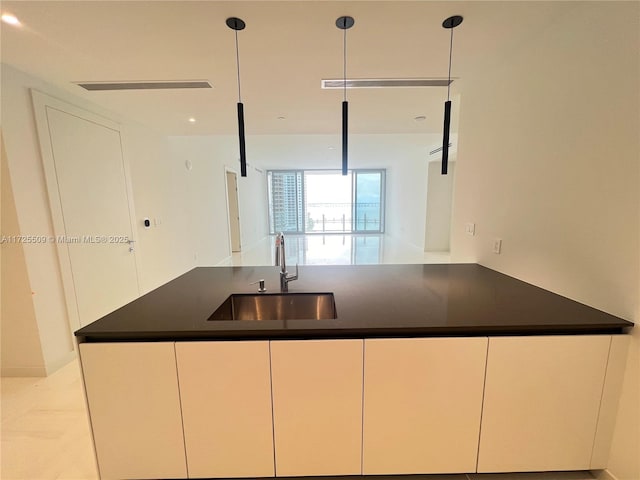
285	50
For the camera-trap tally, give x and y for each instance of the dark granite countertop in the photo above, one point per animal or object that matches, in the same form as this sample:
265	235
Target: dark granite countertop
371	301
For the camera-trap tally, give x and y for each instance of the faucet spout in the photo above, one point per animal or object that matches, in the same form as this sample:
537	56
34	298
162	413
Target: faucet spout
281	262
280	253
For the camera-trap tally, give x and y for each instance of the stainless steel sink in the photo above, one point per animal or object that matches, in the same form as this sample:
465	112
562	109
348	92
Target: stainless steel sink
277	306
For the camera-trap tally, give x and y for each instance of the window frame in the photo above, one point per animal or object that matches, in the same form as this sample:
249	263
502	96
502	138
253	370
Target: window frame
301	227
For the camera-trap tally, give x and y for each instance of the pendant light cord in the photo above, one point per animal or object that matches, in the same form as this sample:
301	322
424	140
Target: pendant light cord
238	67
450	50
344	65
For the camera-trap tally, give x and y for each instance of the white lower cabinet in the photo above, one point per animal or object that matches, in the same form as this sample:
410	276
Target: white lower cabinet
225	391
317	406
541	402
422	404
134	405
223	409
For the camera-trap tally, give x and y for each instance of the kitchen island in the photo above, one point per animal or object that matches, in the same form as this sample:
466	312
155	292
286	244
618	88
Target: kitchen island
425	369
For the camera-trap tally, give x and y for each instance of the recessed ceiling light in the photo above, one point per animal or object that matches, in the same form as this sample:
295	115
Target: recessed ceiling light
331	147
420	118
281	117
10	19
192	120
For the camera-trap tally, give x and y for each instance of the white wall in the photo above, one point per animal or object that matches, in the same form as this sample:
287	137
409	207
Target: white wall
160	190
208	224
548	160
22	356
254	223
34	218
439	203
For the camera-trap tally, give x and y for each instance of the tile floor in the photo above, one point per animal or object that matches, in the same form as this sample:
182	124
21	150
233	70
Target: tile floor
45	430
337	249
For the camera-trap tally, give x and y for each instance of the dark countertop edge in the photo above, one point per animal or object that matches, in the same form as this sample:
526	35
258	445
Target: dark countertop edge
335	334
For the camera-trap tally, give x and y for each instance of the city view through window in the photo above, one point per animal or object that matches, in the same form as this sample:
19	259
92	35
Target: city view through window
325	201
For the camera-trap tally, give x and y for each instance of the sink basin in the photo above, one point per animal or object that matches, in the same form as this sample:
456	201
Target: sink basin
277	306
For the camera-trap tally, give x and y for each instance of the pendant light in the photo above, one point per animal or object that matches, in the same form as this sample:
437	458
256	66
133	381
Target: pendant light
237	24
345	23
450	23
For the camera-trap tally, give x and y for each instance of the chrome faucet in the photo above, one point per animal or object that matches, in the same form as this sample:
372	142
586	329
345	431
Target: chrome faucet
285	278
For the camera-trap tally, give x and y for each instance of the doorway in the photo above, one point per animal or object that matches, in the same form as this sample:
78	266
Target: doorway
91	208
233	207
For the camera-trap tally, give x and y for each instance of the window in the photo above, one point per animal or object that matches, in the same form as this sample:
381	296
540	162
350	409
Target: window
325	201
368	194
286	193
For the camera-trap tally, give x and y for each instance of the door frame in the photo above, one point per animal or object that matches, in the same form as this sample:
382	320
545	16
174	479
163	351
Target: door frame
226	199
41	102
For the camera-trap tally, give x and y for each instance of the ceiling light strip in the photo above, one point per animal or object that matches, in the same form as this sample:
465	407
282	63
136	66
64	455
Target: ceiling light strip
153	85
384	83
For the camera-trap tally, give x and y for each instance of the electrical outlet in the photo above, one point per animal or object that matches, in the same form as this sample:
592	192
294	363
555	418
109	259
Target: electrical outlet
497	245
470	229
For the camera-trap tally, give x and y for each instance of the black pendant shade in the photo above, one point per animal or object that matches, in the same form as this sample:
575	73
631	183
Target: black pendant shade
237	24
345	137
445	137
243	153
345	23
450	23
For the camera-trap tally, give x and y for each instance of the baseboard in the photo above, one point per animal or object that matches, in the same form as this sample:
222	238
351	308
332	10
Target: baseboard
603	475
23	372
60	362
39	371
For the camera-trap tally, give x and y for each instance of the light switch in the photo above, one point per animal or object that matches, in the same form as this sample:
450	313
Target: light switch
497	245
470	229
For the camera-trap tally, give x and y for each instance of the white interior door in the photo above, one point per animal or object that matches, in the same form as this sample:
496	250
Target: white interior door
91	208
234	211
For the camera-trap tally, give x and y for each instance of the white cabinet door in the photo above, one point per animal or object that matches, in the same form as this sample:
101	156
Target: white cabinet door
225	390
422	404
134	405
317	406
541	402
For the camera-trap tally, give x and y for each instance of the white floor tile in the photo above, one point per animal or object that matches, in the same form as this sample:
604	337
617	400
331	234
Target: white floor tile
45	428
337	249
